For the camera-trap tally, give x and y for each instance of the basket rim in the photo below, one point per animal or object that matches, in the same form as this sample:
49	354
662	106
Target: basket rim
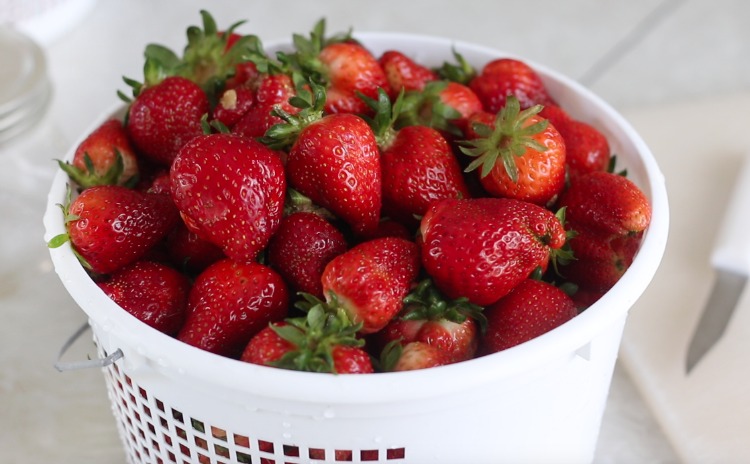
141	344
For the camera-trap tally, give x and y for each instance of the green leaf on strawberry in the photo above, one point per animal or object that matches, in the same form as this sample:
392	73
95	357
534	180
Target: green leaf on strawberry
509	139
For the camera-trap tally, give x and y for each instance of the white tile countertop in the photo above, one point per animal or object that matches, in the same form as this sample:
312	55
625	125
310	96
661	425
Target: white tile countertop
637	55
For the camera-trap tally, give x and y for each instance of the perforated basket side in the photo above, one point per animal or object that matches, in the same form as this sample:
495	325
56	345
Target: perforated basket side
155	431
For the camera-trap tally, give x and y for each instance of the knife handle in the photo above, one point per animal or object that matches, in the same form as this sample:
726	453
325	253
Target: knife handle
732	249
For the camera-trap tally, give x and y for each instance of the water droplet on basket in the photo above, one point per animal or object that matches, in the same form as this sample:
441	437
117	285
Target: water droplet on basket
286	435
329	413
378	439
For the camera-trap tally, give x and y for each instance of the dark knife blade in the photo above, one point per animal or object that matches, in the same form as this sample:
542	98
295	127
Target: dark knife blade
716	314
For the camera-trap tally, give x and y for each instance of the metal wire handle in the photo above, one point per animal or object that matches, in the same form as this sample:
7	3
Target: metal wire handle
89	363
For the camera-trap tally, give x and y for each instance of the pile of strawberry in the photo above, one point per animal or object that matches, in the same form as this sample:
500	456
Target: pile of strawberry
328	210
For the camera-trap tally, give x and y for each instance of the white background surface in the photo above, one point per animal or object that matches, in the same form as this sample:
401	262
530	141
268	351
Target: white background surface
690	53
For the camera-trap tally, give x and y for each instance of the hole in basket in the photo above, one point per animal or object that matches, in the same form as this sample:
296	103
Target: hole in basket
244	458
184	450
241	440
147	410
201	443
172	457
265	446
292	451
160	405
395	453
143	393
203	459
222	451
343	455
177	415
218	433
368	455
316	453
181	433
198	425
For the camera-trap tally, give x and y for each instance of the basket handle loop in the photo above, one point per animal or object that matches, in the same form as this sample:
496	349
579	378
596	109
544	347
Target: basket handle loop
89	363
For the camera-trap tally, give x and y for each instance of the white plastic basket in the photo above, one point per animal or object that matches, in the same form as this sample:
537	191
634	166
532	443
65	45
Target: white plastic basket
541	401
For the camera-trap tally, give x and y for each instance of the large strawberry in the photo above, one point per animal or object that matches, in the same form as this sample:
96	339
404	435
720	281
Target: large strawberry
301	247
229	303
370	280
111	226
606	203
531	309
333	160
507	76
166	116
152	292
480	248
105	157
344	66
321	341
230	191
521	155
417	163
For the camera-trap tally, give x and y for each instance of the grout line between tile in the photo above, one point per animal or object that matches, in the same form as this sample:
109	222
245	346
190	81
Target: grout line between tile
629	41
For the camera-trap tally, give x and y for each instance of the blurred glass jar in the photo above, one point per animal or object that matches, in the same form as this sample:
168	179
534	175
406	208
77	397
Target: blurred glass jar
25	89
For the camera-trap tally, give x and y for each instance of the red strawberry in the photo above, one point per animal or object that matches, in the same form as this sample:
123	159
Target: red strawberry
232	105
319	342
111	226
521	155
230	191
599	261
480	248
300	249
419	168
531	309
417	164
154	293
189	252
428	317
413	356
273	90
370	280
229	303
586	148
344	66
606	203
557	116
403	73
165	117
443	105
105	157
505	76
333	160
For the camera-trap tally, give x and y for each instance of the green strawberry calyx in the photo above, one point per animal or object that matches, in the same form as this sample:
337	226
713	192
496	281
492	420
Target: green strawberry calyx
510	137
461	71
310	98
314	335
426	302
427	108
